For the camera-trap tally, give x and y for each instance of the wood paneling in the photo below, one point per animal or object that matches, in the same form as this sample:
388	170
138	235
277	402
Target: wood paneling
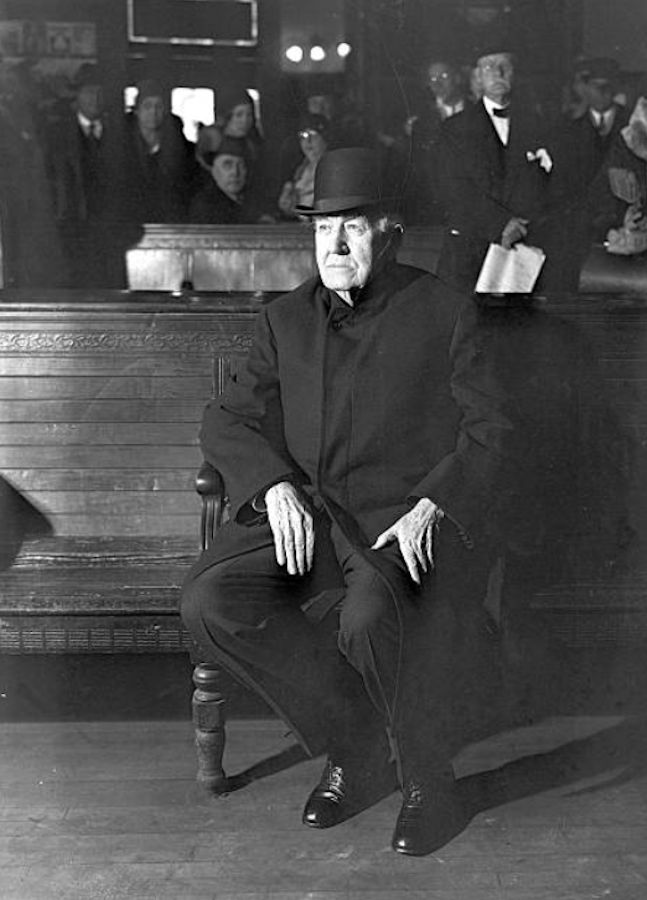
100	403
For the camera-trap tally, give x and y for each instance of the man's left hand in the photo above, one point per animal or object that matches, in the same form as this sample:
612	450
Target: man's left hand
414	533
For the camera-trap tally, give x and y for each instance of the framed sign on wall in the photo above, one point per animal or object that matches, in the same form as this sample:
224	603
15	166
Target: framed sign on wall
198	23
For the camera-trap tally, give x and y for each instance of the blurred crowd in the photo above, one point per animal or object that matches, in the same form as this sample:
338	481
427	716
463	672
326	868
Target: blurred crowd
77	183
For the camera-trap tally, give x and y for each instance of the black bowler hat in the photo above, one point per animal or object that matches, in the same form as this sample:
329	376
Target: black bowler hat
347	179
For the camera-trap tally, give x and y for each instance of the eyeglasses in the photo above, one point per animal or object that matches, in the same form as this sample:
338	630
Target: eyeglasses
307	133
443	76
505	68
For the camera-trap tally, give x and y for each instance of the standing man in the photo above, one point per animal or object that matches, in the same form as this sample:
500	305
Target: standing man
496	168
364	451
445	97
87	170
585	144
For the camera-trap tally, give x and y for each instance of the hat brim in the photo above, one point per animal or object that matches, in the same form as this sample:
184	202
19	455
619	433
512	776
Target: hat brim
333	205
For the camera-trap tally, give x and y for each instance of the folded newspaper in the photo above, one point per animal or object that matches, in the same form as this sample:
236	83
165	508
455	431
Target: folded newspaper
512	271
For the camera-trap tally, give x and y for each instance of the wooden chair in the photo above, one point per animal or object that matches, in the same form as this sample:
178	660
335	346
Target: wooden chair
578	615
208	704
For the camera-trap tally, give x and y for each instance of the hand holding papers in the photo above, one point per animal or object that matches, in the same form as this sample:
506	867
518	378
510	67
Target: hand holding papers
512	271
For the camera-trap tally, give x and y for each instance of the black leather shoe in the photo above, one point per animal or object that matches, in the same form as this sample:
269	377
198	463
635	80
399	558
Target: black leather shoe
432	814
345	789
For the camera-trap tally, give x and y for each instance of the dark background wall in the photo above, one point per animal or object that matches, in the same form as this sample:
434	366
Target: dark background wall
391	40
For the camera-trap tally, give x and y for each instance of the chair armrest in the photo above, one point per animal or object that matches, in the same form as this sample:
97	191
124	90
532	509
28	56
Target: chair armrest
210	486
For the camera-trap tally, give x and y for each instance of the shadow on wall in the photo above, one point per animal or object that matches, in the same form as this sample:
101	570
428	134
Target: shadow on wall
20	520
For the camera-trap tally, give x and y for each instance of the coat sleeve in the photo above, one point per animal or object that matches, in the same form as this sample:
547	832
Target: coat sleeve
242	431
490	448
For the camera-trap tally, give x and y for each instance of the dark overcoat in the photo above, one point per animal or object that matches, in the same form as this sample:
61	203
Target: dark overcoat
368	408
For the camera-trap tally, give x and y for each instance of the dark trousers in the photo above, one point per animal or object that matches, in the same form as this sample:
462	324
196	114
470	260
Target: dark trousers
344	650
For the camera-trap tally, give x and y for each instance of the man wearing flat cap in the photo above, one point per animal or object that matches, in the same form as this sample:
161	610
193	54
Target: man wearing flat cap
363	449
496	169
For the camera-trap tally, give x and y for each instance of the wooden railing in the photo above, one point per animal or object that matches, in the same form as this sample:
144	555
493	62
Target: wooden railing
243	257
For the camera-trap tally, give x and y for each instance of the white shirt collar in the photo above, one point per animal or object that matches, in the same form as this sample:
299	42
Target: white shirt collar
603	121
449	109
501	123
490	105
89	126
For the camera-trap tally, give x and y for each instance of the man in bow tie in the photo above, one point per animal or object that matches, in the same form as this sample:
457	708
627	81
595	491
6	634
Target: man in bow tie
494	183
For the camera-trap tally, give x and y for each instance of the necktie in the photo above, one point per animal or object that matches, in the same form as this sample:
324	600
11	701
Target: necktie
503	113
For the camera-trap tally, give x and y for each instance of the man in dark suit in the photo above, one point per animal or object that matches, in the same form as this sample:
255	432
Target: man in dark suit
365	451
86	164
445	96
580	185
496	166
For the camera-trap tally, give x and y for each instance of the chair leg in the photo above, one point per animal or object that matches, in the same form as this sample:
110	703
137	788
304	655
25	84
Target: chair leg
209	724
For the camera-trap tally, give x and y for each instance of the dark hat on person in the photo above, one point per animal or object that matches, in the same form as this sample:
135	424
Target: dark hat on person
151	87
228	98
602	69
493	42
229	146
88	74
315	122
345	179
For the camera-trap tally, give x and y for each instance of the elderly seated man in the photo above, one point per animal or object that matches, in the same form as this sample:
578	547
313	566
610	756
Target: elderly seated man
362	451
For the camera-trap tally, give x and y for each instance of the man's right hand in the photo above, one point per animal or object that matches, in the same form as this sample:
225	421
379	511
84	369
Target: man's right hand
292	528
515	230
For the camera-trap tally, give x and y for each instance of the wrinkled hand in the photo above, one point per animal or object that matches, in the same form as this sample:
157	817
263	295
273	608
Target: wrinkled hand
515	230
414	532
292	528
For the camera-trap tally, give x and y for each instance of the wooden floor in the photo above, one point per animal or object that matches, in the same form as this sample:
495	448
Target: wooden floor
105	810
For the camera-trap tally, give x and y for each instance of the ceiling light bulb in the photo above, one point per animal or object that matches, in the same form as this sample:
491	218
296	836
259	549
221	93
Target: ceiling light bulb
294	53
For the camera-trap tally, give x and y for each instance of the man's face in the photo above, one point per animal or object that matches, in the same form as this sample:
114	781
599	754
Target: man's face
150	112
494	76
443	81
320	105
600	95
230	173
349	249
90	101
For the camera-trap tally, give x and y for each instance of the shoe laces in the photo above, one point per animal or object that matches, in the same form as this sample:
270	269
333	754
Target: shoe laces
414	795
335	778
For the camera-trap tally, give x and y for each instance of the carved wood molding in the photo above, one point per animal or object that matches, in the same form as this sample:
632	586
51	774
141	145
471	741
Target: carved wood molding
203	342
214	237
